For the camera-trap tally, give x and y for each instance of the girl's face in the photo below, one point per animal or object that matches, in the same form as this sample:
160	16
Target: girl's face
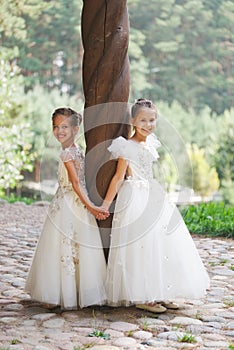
145	122
64	131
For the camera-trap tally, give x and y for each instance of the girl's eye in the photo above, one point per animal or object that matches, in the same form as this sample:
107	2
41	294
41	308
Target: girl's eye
55	127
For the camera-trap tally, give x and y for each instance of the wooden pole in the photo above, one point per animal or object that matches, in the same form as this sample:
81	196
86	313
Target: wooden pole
105	35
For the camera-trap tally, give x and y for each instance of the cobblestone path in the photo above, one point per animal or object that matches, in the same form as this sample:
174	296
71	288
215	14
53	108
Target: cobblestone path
202	324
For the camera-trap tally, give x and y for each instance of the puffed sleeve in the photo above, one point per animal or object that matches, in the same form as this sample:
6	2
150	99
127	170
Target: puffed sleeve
119	148
66	155
154	145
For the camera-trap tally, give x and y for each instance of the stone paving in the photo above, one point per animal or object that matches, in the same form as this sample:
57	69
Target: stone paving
206	324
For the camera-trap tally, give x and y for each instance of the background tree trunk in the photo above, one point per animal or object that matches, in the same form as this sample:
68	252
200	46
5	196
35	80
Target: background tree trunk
105	35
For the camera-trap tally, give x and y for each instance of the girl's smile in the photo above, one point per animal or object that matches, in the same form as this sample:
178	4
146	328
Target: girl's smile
64	131
144	124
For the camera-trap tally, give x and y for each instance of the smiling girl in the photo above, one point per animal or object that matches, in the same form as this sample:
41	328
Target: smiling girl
152	258
69	268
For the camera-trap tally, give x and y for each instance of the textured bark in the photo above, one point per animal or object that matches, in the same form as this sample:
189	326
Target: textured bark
105	35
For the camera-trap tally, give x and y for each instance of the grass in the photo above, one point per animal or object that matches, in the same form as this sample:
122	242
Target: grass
99	334
15	341
212	219
129	333
198	315
229	303
187	338
12	198
83	347
144	324
231	346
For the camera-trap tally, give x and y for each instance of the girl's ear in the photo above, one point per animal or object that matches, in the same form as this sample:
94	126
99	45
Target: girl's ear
76	129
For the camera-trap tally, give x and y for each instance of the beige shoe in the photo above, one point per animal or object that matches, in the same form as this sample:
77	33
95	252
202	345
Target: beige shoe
170	305
157	308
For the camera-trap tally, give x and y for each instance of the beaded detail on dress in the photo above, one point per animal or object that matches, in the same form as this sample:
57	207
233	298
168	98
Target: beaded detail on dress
75	154
140	157
65	185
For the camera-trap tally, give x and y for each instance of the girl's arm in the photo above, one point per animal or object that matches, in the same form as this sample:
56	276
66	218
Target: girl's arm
80	191
115	183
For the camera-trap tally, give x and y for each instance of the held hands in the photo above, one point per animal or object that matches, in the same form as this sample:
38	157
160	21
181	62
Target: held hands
103	214
103	211
99	213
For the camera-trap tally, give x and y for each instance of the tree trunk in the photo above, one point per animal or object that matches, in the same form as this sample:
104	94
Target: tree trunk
105	35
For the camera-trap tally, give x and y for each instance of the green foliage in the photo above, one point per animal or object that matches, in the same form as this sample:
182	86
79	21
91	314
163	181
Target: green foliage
213	219
12	17
170	172
188	48
223	157
15	341
231	346
179	51
15	154
187	338
205	179
10	82
12	198
224	160
55	32
138	64
83	347
99	334
229	303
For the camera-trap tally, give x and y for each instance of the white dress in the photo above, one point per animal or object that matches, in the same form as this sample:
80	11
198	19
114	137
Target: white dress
152	255
68	267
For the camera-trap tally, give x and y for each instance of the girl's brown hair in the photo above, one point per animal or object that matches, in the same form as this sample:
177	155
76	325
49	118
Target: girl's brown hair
143	103
76	118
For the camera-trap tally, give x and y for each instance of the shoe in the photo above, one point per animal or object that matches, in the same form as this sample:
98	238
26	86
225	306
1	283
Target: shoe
157	308
49	306
170	305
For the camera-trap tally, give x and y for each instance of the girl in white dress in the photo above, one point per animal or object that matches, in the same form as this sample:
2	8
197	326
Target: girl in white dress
152	255
69	268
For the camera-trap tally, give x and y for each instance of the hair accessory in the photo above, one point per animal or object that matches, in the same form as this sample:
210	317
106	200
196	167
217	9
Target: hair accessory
143	102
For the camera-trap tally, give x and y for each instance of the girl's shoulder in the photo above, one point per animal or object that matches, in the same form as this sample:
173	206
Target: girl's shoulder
71	153
153	144
153	141
118	147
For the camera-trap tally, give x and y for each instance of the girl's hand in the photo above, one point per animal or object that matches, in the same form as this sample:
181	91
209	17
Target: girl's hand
99	213
103	214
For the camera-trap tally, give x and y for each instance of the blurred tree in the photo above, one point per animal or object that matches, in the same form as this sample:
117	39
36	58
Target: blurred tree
15	155
10	91
188	46
204	178
180	50
52	51
223	157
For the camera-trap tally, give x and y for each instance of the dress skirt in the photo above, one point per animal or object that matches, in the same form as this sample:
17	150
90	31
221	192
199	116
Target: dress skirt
152	255
68	267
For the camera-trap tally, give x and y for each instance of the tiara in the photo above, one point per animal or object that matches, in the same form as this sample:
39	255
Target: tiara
143	102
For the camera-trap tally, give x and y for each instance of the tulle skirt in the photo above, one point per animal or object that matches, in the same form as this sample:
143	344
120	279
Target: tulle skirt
152	255
68	267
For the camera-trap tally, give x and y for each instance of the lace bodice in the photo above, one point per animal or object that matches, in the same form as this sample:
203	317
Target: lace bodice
75	154
140	157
